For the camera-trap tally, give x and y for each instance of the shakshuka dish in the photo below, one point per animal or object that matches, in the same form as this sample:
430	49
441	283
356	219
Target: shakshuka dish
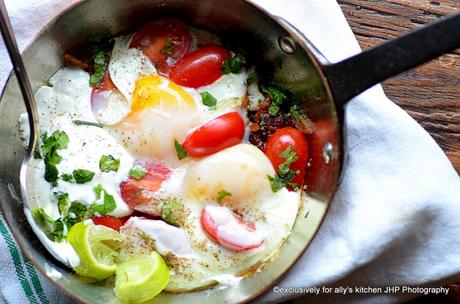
165	162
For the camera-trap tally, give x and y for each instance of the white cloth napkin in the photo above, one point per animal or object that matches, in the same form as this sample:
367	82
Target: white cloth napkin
393	221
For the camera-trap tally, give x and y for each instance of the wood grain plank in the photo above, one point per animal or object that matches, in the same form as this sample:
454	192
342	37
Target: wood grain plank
429	93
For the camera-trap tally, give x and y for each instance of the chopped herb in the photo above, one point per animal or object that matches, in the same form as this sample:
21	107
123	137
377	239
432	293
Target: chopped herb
180	151
277	98
168	46
100	62
262	124
208	99
253	77
221	195
58	233
87	123
63	202
285	173
82	176
137	172
41	217
233	64
170	210
295	112
50	146
109	163
67	178
307	214
107	206
78	209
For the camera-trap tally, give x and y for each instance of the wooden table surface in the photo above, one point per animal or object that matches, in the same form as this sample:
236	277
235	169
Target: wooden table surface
429	93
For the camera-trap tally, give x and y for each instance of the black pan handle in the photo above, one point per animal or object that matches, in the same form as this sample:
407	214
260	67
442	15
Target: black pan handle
356	74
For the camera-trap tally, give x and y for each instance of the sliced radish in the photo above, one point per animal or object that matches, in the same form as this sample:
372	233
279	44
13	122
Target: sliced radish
229	229
167	238
140	194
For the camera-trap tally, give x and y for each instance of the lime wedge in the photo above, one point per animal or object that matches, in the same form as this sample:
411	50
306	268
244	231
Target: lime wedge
141	277
96	246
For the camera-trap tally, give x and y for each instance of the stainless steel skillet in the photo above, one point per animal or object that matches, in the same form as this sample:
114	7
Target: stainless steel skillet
275	46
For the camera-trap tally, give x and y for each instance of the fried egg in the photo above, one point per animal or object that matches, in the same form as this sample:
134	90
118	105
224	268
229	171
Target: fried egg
199	261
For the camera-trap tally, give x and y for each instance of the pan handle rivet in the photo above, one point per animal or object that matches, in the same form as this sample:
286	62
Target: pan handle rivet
327	152
286	44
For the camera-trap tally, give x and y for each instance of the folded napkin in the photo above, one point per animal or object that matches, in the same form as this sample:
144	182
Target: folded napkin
393	221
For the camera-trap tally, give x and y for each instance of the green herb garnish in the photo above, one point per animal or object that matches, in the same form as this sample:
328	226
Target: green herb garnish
277	98
285	173
41	217
233	64
67	178
221	195
108	202
87	123
170	211
295	112
63	202
58	233
109	163
137	172
82	176
208	99
180	151
168	46
100	62
50	146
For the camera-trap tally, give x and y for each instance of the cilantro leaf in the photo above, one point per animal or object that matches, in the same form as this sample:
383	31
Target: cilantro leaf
108	203
180	151
221	195
50	146
253	77
41	217
63	202
168	46
100	63
277	98
233	64
58	233
109	163
208	99
82	176
67	178
295	112
170	211
137	172
78	209
285	173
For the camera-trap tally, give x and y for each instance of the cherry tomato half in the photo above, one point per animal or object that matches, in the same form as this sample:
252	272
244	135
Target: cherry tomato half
200	67
279	141
109	221
132	190
162	39
217	134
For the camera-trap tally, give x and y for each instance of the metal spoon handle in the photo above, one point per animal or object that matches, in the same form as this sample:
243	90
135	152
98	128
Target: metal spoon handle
20	71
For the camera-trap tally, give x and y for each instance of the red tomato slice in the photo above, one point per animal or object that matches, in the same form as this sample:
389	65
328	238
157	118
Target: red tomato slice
162	39
217	134
200	67
109	221
279	141
135	192
229	229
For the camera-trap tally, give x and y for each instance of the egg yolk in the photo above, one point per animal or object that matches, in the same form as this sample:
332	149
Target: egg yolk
158	92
